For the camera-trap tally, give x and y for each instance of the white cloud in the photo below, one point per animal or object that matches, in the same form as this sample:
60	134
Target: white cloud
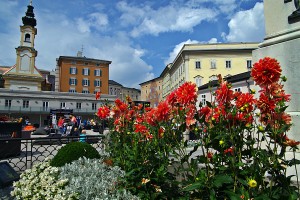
176	50
94	20
247	26
213	40
173	17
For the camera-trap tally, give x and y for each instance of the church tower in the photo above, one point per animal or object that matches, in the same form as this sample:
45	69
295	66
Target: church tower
24	75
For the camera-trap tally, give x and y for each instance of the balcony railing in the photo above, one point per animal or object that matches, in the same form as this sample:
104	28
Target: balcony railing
40	110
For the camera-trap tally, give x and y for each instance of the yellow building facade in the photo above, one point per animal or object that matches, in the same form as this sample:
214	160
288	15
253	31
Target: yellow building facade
201	63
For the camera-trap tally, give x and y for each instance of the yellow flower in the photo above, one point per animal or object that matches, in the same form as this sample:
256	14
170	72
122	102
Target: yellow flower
261	128
221	142
144	181
252	183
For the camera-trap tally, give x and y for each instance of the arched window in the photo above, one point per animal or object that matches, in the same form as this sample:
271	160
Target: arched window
27	37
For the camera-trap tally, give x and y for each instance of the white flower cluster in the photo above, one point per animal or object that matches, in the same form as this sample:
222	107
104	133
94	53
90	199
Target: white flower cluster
41	182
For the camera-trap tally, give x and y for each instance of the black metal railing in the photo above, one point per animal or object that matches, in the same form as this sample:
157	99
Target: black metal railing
22	153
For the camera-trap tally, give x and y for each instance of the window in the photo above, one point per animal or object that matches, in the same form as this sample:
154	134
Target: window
213	64
7	103
86	71
25	104
62	104
97	64
78	105
73	70
85	82
198	64
27	37
237	89
73	62
249	64
72	81
94	106
98	72
45	105
198	81
213	77
85	91
228	64
97	83
86	63
72	90
203	99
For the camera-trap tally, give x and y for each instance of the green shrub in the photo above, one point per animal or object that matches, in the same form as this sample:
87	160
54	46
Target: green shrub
74	151
92	179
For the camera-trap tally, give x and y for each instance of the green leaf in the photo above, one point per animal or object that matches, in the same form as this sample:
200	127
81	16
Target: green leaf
212	195
208	104
194	150
233	196
192	187
293	162
219	180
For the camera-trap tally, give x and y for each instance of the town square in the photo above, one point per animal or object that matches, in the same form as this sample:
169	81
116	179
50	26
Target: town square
133	99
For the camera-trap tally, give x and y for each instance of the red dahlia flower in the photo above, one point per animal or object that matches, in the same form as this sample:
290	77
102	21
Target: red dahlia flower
187	94
266	71
103	112
224	94
162	111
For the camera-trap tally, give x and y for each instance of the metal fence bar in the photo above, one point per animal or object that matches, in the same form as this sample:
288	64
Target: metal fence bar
33	150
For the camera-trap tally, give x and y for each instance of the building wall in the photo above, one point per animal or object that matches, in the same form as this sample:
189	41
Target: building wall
37	105
184	67
152	91
116	90
64	75
133	93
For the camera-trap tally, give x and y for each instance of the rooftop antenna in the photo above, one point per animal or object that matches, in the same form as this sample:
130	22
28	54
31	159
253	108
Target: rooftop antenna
82	48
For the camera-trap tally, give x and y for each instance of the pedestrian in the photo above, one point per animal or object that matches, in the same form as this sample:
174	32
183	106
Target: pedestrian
82	137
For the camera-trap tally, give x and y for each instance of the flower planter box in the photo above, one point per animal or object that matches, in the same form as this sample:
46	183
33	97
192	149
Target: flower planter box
9	146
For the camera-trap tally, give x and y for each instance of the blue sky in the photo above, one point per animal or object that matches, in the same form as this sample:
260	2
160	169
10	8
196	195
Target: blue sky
140	37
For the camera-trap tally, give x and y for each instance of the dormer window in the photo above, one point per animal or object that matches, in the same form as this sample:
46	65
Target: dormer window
27	37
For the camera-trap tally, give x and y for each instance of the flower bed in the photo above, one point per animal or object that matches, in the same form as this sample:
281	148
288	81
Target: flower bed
242	142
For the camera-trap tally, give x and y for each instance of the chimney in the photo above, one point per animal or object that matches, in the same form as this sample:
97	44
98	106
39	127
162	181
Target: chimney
79	54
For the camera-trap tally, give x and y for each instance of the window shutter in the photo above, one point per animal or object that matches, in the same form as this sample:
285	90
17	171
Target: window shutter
70	70
95	72
82	71
69	81
88	82
75	70
100	83
88	71
82	82
95	83
100	72
75	81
